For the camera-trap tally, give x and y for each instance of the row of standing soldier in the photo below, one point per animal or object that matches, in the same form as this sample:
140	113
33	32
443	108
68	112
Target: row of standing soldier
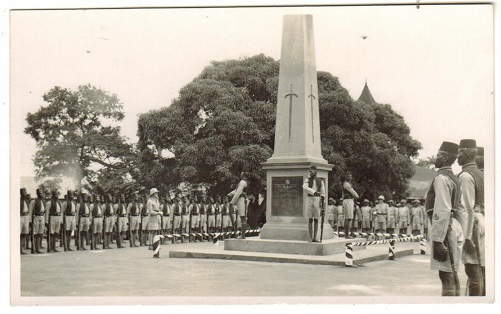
381	217
101	221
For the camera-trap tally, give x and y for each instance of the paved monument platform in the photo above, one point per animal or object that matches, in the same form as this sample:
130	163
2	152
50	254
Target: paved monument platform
327	247
370	254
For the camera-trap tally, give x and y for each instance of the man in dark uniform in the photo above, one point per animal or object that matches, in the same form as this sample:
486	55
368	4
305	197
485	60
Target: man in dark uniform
442	201
203	215
315	189
55	209
238	199
471	210
37	207
143	232
24	218
218	214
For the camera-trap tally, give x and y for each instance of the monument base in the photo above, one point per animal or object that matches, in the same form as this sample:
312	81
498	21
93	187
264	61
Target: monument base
327	247
292	231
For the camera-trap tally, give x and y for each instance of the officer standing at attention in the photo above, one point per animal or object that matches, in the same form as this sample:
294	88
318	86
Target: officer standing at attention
37	207
392	217
97	221
416	218
471	209
55	209
349	196
83	211
238	199
381	213
109	214
403	217
315	189
121	211
442	201
366	216
154	212
25	218
70	210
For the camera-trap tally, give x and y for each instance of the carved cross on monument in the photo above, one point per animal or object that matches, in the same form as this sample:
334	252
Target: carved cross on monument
290	109
311	106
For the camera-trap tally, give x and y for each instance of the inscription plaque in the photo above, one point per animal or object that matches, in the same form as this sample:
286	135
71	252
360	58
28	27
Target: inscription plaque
287	196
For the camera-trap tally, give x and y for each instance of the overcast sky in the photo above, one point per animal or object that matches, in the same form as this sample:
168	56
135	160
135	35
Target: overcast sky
434	65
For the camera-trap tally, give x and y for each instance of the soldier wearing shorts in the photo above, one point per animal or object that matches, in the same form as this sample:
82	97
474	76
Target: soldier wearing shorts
37	207
226	215
239	195
97	220
381	213
349	197
167	215
218	214
24	218
315	189
194	210
392	217
70	224
211	215
134	212
340	216
366	216
109	221
416	218
83	211
55	209
122	220
403	217
176	218
144	220
203	215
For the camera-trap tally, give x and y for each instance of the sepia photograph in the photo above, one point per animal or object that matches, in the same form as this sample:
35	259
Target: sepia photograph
251	154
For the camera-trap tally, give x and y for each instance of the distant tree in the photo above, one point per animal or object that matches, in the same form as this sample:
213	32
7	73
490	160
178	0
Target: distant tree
223	122
73	138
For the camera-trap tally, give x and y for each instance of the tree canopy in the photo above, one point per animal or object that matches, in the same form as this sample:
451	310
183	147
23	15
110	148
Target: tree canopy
74	139
223	122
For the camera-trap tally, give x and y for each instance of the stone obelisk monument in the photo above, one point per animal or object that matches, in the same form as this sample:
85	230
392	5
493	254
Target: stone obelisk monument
297	136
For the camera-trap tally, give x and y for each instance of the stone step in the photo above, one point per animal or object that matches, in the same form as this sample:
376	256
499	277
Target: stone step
370	254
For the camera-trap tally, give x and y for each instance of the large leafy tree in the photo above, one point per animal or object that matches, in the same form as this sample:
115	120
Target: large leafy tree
75	137
223	122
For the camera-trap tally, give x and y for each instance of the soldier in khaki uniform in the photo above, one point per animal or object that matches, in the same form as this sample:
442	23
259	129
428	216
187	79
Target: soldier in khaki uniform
24	218
416	218
442	201
403	217
471	213
54	208
97	221
366	216
70	222
392	217
381	209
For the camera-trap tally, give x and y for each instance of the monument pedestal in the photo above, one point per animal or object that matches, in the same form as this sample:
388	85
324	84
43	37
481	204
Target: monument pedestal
287	202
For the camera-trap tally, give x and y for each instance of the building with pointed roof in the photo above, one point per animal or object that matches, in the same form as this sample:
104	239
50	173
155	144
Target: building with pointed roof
366	96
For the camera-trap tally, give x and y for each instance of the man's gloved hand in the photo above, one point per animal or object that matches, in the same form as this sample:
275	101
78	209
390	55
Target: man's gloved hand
469	246
440	252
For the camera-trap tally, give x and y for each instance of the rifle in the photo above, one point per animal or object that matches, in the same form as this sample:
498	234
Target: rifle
32	232
48	233
322	212
77	236
451	258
